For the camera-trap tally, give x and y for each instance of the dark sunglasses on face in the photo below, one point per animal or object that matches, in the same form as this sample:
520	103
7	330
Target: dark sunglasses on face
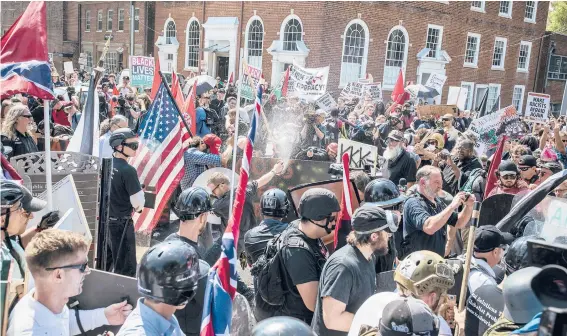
29	116
508	177
524	168
133	145
81	267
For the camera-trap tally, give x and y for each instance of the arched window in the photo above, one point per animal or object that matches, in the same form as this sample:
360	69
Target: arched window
170	31
193	43
355	50
255	42
396	55
292	33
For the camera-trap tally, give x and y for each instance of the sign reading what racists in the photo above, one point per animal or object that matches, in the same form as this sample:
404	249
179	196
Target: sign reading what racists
326	102
308	83
361	154
537	107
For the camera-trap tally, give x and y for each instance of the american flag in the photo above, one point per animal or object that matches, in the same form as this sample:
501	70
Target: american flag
159	161
221	284
344	226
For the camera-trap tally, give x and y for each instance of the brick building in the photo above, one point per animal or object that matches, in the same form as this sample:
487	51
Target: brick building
552	69
480	45
62	28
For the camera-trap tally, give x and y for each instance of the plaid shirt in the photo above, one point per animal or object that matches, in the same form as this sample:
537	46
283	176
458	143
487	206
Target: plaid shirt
196	162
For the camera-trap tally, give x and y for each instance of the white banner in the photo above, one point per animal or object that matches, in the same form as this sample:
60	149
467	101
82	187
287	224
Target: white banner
308	83
491	126
537	107
360	154
326	102
457	96
436	81
353	89
373	90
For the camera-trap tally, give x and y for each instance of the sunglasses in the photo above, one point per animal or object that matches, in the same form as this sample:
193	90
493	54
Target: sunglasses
524	168
508	177
446	119
5	210
81	267
391	141
133	145
29	116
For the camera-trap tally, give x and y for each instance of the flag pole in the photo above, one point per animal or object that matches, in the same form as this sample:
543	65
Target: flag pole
47	142
178	109
235	144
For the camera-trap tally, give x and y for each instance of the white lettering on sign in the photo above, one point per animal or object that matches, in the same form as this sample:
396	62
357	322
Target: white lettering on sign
142	70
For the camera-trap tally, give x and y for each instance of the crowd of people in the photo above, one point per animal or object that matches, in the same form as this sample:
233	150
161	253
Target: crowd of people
414	220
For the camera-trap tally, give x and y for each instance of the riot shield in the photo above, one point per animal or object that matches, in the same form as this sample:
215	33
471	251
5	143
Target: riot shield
494	208
547	220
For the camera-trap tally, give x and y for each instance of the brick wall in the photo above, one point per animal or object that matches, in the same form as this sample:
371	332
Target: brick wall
555	88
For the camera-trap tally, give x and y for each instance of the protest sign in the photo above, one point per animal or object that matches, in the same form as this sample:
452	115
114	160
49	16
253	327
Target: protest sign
326	102
436	81
142	70
555	224
68	68
457	96
435	111
353	89
372	90
491	126
308	83
250	79
360	154
537	107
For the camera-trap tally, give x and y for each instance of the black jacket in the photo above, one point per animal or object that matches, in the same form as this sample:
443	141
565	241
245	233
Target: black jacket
21	144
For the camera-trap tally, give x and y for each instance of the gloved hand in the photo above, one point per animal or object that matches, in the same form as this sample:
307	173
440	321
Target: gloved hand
48	220
243	261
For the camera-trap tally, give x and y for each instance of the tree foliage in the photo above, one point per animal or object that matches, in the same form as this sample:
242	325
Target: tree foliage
558	17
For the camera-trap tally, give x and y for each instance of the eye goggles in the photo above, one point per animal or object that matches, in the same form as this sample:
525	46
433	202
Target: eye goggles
133	145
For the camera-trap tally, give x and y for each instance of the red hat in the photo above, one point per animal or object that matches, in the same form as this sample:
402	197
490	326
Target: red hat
333	147
214	143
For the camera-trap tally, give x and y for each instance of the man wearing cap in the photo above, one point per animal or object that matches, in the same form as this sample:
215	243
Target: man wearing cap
509	181
399	163
489	246
218	103
348	278
126	89
528	168
546	169
450	132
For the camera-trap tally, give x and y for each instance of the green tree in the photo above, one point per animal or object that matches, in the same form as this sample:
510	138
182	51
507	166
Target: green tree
558	17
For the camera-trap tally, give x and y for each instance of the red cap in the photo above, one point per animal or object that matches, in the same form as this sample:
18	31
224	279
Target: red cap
333	147
214	143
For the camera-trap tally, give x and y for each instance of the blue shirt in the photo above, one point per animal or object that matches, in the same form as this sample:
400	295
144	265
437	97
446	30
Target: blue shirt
145	321
196	163
202	128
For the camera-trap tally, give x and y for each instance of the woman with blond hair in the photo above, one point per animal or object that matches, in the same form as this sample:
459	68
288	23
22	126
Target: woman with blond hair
15	132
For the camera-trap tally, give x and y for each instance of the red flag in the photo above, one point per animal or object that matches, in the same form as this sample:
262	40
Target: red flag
116	93
176	91
496	159
9	172
231	78
343	227
189	111
399	95
157	79
24	62
285	83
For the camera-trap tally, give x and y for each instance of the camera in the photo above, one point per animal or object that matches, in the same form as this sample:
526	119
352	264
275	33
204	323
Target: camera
310	118
542	253
444	154
553	322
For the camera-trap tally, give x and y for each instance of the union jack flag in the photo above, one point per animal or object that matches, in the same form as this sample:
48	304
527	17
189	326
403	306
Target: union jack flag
221	284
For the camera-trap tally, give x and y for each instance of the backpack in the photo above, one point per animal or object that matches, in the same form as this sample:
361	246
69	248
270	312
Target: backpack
269	270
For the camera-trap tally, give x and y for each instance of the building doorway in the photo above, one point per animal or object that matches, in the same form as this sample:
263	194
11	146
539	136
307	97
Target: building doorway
222	67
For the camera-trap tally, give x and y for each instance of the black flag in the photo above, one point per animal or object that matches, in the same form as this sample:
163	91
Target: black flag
481	109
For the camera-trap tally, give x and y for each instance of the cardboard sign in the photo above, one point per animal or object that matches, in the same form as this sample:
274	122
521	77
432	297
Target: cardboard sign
491	126
326	102
372	90
435	111
250	79
68	68
141	70
353	89
555	221
360	154
307	83
436	81
457	96
537	107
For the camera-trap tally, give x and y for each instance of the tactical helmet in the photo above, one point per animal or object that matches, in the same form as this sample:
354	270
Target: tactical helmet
282	325
169	273
422	272
120	135
517	255
274	203
383	193
192	202
318	204
10	193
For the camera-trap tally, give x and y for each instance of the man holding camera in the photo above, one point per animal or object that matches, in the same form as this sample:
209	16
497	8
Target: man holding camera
313	132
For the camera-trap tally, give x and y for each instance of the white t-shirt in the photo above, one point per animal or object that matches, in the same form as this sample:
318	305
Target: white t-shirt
371	310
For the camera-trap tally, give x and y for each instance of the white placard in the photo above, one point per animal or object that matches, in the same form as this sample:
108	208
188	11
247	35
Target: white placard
360	154
490	127
326	102
68	68
457	96
436	81
537	107
307	83
372	90
555	221
353	89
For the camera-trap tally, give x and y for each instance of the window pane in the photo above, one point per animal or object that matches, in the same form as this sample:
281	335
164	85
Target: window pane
120	19
470	54
99	18
433	41
523	57
492	97
109	20
87	20
292	33
504	7
353	53
193	43
395	56
530	9
476	4
137	19
498	53
469	95
255	43
111	62
170	32
517	98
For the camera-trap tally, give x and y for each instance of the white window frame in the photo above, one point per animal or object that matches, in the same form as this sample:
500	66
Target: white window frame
165	28
532	20
284	23
247	37
109	15
498	95
475	64
481	9
136	15
503	59
521	105
476	88
365	54
470	95
89	65
111	68
440	41
527	65
87	21
99	22
120	10
506	15
405	60
187	67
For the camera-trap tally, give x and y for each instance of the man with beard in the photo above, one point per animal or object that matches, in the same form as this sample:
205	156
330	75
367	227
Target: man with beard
218	103
509	181
399	163
348	278
456	171
426	216
394	123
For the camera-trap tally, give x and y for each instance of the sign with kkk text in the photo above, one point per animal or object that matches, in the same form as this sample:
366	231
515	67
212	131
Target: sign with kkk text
490	127
250	79
537	107
307	83
142	70
326	102
360	154
372	90
436	81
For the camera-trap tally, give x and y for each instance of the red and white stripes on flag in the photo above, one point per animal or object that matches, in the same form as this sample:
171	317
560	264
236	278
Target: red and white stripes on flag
343	226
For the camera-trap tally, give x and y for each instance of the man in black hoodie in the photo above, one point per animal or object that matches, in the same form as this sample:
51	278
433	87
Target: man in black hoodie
457	170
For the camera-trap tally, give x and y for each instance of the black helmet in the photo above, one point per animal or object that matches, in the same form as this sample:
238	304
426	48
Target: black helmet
508	167
10	193
274	203
282	325
193	202
517	254
119	136
169	273
317	204
383	193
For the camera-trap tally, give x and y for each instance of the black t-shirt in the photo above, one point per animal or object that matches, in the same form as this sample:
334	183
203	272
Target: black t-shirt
176	236
123	184
484	307
256	239
450	183
347	277
404	166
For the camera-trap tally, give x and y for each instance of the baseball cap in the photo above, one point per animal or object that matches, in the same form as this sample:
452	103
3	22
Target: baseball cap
528	160
317	204
30	203
408	316
555	167
550	286
448	116
396	136
370	218
489	237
